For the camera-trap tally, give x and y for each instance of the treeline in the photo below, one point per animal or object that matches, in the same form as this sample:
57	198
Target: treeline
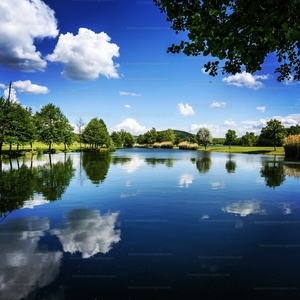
19	126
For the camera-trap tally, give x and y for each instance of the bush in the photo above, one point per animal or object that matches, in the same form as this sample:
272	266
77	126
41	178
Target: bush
292	146
188	146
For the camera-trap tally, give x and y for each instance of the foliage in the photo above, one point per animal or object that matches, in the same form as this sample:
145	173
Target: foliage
204	137
188	146
249	139
51	125
241	33
293	130
274	132
292	146
230	137
163	145
96	135
117	140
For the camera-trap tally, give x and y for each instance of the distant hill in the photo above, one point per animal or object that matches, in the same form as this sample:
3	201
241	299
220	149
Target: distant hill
182	134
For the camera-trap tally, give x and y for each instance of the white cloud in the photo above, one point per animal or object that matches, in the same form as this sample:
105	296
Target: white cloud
88	232
129	94
13	95
217	185
21	23
27	87
2	86
246	79
186	110
127	106
261	108
86	55
217	104
229	123
289	120
195	127
132	125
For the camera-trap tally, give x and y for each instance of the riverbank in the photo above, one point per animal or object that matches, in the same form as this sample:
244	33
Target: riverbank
42	148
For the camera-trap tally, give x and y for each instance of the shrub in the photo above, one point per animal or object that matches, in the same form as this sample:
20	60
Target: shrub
292	146
188	146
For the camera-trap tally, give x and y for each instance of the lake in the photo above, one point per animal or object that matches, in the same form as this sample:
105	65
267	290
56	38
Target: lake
150	224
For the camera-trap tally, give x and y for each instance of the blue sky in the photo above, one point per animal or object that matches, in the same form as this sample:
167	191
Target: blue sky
108	59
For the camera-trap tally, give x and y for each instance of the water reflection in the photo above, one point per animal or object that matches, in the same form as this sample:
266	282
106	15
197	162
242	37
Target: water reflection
153	161
292	170
96	166
273	172
88	232
24	266
185	180
244	208
204	163
22	184
230	165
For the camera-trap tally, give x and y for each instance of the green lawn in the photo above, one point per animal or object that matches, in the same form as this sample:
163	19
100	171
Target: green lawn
241	149
211	148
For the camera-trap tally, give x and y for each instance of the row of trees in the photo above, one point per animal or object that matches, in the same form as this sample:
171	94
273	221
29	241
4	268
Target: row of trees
19	126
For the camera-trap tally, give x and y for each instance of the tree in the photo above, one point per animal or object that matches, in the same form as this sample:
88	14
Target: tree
230	137
96	135
51	123
274	132
68	136
150	136
117	140
80	124
241	33
204	137
249	139
293	130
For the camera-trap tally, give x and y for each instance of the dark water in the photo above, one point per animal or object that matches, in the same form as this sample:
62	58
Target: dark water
150	224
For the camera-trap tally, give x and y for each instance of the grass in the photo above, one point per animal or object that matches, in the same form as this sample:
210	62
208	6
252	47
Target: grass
211	148
247	150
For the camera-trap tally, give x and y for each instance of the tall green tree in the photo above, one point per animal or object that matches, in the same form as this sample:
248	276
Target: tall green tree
240	33
249	139
204	137
51	124
117	140
230	137
80	125
274	132
96	135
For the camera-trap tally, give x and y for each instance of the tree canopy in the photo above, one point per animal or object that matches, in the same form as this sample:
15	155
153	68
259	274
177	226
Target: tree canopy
241	33
230	137
274	132
204	137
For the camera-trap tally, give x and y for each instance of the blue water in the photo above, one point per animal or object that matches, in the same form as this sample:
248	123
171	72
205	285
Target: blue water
153	224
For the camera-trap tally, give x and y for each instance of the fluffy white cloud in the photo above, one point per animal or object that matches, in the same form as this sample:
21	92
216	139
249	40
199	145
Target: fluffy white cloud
88	232
195	127
21	23
127	106
86	55
185	110
289	120
229	123
27	87
129	94
217	104
131	125
261	108
246	79
13	95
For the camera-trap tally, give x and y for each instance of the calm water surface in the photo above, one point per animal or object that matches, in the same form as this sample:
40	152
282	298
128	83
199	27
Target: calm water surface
150	224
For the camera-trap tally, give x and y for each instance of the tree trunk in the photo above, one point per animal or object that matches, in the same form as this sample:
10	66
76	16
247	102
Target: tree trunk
31	146
65	148
49	147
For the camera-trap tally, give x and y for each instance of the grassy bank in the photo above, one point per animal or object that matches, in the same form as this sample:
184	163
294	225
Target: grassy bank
211	148
247	150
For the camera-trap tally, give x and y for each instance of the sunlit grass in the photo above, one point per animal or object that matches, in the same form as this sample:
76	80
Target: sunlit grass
248	150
